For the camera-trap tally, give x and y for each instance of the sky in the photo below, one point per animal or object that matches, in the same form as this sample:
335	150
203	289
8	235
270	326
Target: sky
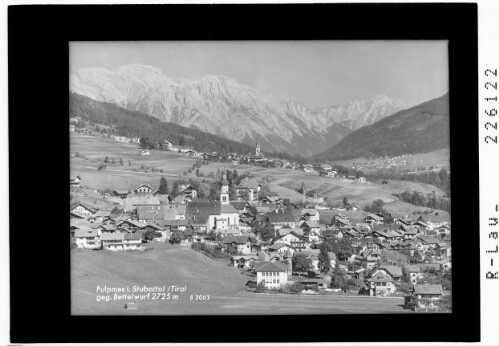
314	73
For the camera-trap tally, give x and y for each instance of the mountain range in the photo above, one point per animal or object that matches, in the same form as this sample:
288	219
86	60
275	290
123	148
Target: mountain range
221	106
422	128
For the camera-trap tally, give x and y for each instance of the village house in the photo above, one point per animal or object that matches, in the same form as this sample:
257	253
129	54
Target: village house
428	291
381	284
435	220
414	273
280	218
373	219
281	248
394	272
188	191
239	245
133	202
244	261
75	181
272	274
121	193
143	189
112	241
132	241
71	128
87	238
294	240
145	152
248	188
83	209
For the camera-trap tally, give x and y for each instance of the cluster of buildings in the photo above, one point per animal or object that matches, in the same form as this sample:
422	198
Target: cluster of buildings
290	230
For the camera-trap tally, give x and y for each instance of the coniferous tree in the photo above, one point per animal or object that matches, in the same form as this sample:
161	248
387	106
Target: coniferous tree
163	186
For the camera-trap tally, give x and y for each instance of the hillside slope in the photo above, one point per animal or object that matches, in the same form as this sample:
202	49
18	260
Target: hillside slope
420	129
164	265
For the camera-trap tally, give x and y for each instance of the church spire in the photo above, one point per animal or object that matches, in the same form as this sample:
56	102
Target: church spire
257	149
224	191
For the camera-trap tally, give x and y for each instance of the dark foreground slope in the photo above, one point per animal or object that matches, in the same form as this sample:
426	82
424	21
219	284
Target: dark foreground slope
420	129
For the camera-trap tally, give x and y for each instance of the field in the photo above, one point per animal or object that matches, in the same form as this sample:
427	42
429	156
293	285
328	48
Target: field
168	265
437	159
137	169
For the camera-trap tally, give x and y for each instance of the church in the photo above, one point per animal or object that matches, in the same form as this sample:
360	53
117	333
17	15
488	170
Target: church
259	156
218	216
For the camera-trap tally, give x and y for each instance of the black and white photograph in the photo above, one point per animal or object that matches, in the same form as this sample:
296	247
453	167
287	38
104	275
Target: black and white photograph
298	177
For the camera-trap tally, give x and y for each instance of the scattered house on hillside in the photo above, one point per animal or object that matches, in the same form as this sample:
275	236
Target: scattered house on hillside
74	181
87	238
145	152
143	189
362	180
83	209
435	220
272	274
168	145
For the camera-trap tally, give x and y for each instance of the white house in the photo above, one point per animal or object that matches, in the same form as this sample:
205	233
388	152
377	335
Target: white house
273	274
87	238
145	152
112	241
144	188
83	209
132	241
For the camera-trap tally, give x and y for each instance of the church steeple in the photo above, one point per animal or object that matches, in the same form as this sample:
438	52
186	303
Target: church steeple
257	149
224	191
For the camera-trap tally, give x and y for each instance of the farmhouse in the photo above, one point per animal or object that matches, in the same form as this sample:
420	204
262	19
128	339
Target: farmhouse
143	189
83	209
